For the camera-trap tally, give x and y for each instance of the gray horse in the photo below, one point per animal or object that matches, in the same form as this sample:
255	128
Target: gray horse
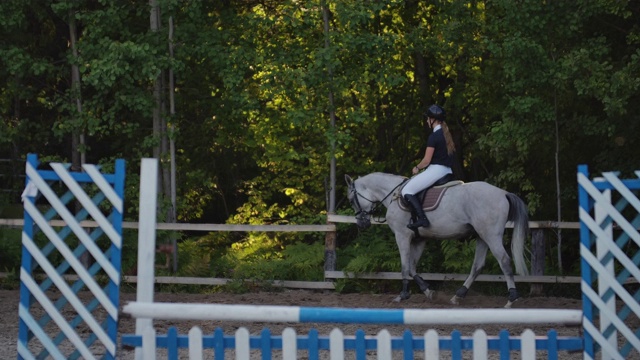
475	209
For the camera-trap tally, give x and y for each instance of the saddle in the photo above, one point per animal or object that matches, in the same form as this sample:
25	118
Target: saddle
431	196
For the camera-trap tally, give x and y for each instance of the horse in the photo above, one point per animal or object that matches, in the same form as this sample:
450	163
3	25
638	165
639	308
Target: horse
474	209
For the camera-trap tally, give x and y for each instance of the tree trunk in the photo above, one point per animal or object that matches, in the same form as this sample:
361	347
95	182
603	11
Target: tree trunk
172	149
77	142
154	19
77	137
330	237
422	77
558	198
163	131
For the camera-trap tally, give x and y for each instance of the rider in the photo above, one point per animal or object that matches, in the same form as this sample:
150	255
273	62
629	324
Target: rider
437	162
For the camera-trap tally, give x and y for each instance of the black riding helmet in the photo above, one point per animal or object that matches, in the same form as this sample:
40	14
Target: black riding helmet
436	112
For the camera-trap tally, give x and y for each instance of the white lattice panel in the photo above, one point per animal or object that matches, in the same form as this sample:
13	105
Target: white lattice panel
610	253
61	319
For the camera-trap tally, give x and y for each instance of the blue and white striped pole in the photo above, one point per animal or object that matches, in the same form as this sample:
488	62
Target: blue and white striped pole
297	314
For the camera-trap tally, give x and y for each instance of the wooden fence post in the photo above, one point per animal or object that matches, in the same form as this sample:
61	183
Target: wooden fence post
330	249
537	259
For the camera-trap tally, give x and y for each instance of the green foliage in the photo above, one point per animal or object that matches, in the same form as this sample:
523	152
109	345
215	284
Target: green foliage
257	257
237	286
252	126
457	258
10	249
129	251
194	262
554	69
11	281
370	252
298	261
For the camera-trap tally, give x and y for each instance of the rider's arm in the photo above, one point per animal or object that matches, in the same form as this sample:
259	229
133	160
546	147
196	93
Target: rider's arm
426	160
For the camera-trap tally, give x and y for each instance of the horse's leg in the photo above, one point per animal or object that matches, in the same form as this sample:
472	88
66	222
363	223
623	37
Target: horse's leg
478	263
404	247
417	248
498	251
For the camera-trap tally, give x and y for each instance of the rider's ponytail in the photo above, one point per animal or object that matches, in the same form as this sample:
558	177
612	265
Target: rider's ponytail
451	146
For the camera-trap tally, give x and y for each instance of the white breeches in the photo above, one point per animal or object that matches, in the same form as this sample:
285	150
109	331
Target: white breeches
425	179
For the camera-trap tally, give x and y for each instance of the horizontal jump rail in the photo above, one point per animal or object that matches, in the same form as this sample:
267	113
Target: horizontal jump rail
298	314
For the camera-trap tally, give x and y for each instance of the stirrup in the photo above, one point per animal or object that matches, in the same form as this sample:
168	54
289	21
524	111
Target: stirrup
418	224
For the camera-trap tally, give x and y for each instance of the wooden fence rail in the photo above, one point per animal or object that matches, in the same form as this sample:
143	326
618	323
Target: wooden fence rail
191	227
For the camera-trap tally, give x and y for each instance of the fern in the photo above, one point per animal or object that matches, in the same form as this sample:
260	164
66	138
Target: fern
372	255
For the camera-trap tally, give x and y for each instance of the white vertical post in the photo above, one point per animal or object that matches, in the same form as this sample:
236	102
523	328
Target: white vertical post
146	241
195	344
602	247
480	345
384	345
289	344
431	345
336	344
243	344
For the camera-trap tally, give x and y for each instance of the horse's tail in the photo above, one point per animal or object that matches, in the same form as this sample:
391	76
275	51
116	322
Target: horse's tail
518	213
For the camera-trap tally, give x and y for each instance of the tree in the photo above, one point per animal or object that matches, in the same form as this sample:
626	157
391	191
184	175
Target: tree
550	83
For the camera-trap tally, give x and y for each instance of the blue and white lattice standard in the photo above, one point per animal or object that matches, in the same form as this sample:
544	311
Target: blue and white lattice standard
63	222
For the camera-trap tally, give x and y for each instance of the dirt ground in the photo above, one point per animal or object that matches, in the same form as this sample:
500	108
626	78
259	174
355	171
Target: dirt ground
10	299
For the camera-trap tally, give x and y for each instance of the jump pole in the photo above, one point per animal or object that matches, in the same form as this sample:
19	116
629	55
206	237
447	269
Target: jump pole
298	314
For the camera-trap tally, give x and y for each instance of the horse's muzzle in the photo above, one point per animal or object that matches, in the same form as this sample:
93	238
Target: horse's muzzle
363	222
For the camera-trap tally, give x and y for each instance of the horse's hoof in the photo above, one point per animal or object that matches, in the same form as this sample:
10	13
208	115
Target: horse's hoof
513	297
510	303
402	296
431	294
455	300
508	306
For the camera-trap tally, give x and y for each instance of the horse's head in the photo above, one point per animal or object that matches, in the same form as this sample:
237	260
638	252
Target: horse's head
363	217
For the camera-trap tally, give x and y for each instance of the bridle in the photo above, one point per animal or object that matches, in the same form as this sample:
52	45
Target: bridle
359	210
364	215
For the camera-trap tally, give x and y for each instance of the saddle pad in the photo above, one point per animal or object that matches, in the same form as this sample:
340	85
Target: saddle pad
432	198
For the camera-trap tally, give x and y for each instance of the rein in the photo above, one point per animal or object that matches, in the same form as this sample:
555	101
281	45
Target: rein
376	204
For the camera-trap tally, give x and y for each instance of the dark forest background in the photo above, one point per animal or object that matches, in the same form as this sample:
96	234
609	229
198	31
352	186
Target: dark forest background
253	99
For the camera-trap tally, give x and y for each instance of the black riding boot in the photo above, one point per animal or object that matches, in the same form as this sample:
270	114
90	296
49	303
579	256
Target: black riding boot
422	220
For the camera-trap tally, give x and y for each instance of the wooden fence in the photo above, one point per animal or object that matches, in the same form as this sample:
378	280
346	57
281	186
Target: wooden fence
537	266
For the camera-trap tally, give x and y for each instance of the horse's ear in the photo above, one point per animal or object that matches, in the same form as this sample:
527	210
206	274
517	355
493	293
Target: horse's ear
347	178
